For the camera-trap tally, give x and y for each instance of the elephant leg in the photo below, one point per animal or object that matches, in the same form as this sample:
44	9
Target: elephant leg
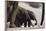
21	23
18	25
14	12
36	22
25	23
29	23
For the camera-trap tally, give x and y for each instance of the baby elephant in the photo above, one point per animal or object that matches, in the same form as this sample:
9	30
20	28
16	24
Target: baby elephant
24	18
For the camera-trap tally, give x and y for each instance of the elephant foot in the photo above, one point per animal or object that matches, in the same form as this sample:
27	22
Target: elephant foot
12	26
24	26
29	26
18	26
36	23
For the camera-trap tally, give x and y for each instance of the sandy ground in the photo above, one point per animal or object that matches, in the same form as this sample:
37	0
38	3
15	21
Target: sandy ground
38	14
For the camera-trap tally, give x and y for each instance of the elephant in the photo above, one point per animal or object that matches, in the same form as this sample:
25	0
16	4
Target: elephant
23	18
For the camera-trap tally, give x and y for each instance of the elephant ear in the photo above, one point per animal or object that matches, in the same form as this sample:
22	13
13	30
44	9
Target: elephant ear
32	15
30	12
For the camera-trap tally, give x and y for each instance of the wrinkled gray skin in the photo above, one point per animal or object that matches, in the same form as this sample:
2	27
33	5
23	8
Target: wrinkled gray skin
12	10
